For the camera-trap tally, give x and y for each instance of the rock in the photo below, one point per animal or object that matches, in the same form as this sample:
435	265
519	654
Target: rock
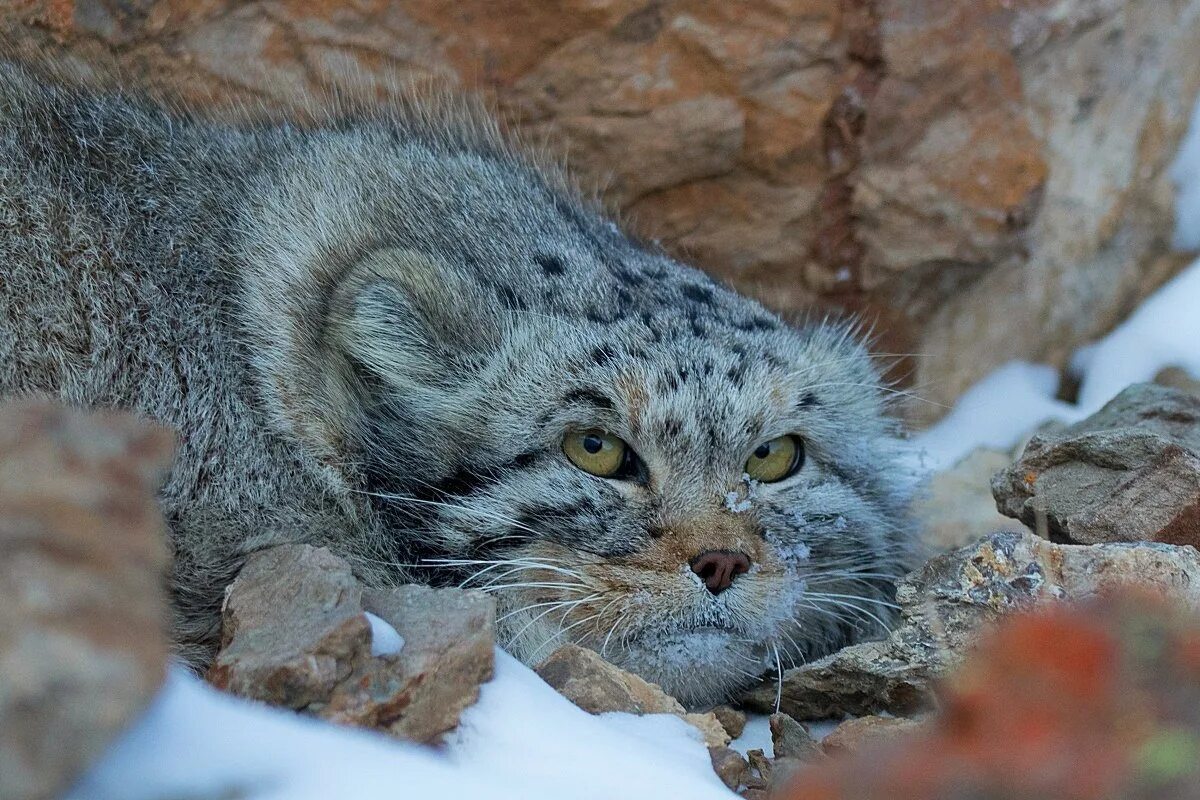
988	179
760	766
729	766
1177	378
293	627
854	734
956	506
83	617
1129	472
448	652
947	602
598	687
1099	702
792	740
295	635
731	719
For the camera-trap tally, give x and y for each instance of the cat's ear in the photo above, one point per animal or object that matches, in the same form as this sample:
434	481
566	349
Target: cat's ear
411	321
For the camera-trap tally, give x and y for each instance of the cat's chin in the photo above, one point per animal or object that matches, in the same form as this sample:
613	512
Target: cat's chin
700	667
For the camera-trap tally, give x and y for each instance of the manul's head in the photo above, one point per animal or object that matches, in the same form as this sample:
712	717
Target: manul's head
627	455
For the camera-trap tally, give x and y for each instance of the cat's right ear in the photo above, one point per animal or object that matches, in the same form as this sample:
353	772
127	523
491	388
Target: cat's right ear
411	321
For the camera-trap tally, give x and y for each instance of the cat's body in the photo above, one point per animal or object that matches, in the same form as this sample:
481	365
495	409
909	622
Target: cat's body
374	336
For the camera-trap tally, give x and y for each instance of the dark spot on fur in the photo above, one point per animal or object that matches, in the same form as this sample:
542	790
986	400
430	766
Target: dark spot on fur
672	427
698	329
603	354
808	400
510	299
698	294
589	397
551	265
737	374
756	324
627	275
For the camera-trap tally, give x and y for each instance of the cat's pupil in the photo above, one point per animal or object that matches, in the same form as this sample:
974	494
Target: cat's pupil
592	443
763	451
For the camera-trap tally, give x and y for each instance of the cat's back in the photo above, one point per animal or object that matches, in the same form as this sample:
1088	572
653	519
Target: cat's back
109	243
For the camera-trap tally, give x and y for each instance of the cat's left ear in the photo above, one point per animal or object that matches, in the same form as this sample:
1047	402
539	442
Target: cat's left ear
412	320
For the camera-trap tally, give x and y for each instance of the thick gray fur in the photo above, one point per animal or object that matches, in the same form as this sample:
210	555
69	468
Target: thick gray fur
373	333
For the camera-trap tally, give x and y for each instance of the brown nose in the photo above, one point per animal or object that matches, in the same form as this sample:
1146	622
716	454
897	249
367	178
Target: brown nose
718	568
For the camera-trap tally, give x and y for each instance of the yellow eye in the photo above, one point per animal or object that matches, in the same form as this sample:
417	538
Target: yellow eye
775	460
596	452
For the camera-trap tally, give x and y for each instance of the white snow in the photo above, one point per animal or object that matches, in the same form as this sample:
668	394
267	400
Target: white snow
521	740
755	736
385	640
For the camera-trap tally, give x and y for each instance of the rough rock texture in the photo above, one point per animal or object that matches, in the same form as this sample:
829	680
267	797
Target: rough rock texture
729	765
295	635
596	686
733	720
854	734
1178	378
955	507
83	617
1129	472
1098	703
986	178
945	603
448	652
790	739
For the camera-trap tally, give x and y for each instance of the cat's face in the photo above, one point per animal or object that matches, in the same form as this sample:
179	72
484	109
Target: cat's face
698	492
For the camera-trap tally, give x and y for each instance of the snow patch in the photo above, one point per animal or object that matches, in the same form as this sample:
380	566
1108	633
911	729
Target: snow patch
385	640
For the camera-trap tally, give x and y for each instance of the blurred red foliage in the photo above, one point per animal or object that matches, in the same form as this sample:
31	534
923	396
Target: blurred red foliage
1096	702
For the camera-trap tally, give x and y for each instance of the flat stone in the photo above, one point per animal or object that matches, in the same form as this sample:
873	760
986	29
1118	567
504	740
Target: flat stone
598	687
853	734
1130	472
946	603
83	616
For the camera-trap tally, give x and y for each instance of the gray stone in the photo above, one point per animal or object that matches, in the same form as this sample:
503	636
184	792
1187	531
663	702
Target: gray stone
83	616
945	604
1130	472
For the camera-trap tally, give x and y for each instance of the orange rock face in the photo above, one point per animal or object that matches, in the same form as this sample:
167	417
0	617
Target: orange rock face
986	180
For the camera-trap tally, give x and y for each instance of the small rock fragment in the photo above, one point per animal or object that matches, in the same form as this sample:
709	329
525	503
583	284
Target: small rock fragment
731	719
596	686
729	765
293	627
792	739
83	615
1130	472
296	635
853	734
448	652
945	604
760	766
